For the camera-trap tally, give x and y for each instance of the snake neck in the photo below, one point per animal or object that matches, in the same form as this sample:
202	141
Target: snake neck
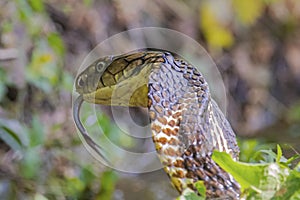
187	127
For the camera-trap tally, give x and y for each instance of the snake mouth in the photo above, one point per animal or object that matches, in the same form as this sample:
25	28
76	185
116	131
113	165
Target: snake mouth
89	141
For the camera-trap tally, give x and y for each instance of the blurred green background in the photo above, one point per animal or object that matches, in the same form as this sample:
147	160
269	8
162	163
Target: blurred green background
256	45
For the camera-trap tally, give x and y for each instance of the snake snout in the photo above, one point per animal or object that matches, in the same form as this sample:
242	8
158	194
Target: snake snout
81	82
87	82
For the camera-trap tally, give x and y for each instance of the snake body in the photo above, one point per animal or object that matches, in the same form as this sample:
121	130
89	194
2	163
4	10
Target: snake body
187	125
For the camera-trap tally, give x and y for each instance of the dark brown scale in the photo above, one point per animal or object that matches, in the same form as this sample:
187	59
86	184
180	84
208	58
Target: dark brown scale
208	169
152	115
162	120
100	83
197	73
174	142
133	64
158	109
165	103
186	76
189	71
107	80
168	113
118	76
198	84
136	56
165	94
167	131
155	77
174	107
171	123
172	98
150	59
156	98
156	87
121	63
194	77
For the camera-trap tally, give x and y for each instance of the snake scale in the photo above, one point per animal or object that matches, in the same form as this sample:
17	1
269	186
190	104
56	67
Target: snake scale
187	125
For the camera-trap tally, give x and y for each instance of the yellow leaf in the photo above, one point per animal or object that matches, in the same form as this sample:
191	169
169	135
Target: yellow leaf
219	37
45	58
215	32
248	11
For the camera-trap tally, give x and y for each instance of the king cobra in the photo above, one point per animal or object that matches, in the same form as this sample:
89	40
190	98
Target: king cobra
186	123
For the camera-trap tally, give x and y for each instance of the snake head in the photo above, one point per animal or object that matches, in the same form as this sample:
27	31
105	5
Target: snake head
117	80
88	80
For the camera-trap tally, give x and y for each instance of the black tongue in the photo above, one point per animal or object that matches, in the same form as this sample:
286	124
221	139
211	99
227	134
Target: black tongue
76	116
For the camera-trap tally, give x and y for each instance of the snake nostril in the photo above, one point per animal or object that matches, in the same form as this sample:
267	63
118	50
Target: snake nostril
80	82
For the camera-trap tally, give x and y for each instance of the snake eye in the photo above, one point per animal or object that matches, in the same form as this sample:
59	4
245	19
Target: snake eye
99	66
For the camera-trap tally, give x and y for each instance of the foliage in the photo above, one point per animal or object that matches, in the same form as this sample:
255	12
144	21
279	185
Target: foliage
216	32
189	194
38	160
272	179
107	189
29	142
215	24
251	150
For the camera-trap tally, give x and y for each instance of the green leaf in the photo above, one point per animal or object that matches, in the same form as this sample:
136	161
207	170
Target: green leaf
113	132
36	5
88	3
30	164
3	81
297	168
6	27
2	91
246	174
269	156
56	43
193	196
189	194
293	113
279	153
38	196
291	159
10	138
37	133
262	181
14	134
290	189
67	81
87	175
74	186
108	182
24	10
44	69
201	188
251	150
